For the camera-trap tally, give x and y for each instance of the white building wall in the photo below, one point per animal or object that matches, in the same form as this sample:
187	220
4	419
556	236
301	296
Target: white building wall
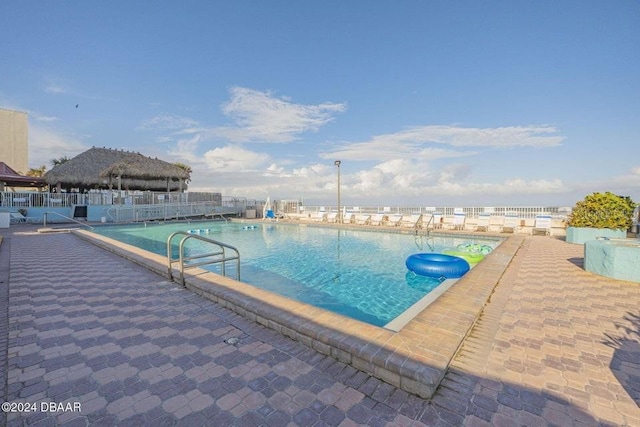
14	133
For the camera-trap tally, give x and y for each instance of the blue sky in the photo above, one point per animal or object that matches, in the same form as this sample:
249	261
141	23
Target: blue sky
426	103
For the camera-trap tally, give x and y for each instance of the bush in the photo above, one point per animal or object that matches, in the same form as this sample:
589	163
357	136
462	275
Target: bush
603	210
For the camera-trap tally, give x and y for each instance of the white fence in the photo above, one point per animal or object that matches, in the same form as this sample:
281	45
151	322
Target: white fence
28	199
523	212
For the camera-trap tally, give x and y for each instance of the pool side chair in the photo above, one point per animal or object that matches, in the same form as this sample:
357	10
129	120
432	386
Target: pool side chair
483	222
434	222
394	220
511	223
458	221
377	219
542	225
17	217
319	216
332	217
348	217
363	219
411	221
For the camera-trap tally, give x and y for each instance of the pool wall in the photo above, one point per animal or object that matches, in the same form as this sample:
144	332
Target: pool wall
414	359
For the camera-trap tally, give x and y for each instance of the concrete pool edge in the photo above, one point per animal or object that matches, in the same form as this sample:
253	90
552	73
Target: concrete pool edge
414	359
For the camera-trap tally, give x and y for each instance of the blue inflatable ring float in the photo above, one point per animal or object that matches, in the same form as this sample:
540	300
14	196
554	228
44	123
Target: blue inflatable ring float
437	265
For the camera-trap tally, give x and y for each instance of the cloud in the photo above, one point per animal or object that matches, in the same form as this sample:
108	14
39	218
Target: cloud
54	88
261	117
169	122
419	141
46	119
45	145
235	159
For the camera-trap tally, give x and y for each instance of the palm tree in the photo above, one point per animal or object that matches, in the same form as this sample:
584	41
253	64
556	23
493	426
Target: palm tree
59	161
37	172
185	168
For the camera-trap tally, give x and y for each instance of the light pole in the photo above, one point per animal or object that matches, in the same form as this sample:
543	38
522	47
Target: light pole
337	163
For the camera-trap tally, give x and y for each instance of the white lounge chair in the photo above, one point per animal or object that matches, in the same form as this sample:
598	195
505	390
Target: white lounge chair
435	222
319	216
377	219
458	221
348	217
542	225
332	217
394	220
483	222
411	220
17	217
362	219
511	223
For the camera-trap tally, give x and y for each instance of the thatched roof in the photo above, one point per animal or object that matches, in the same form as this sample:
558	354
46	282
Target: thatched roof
101	167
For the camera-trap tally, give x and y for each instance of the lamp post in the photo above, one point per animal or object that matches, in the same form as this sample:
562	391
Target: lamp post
337	163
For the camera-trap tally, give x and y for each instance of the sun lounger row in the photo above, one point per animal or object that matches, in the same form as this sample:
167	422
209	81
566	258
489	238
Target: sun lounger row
485	222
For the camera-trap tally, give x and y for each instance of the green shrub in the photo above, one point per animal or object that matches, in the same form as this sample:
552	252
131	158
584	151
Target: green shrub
603	210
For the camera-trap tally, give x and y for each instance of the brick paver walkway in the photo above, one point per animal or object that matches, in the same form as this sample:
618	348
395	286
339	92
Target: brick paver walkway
555	345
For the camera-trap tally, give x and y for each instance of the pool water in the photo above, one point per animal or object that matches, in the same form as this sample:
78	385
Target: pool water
356	273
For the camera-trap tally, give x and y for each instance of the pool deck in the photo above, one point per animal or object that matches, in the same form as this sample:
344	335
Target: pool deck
554	345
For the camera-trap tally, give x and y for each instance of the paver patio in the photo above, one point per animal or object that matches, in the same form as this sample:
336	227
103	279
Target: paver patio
554	346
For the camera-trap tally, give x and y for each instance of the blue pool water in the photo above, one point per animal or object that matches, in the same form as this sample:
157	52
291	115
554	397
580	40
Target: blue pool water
357	273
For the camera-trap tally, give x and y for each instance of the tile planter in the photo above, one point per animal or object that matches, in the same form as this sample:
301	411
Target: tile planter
580	235
616	258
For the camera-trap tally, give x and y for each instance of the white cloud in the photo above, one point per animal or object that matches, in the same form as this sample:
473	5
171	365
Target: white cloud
45	145
235	159
262	117
54	88
46	119
168	122
514	136
185	149
418	142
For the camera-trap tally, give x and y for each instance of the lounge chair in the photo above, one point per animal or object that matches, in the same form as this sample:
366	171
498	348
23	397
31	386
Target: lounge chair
542	225
348	218
394	220
511	223
483	222
458	221
411	221
435	222
362	219
17	217
332	217
319	216
377	219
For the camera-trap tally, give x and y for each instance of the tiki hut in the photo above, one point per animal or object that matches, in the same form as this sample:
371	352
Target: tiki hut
104	168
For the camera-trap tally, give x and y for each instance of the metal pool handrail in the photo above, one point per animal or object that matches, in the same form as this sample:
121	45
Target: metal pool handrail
182	259
44	221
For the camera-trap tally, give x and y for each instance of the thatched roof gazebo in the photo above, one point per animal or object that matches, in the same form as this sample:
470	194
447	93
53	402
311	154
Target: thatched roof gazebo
104	168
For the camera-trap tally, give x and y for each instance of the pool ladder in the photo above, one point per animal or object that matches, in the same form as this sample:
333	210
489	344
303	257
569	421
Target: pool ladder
219	256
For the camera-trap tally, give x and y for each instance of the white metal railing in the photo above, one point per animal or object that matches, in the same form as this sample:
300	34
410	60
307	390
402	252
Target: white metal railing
46	214
524	212
134	213
206	258
27	199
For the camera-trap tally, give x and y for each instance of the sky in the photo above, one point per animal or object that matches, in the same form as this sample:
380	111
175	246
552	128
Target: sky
425	103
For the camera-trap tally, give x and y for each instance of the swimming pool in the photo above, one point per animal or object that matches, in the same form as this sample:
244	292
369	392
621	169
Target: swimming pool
356	273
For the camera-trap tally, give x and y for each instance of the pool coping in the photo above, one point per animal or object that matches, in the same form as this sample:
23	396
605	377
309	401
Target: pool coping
414	359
